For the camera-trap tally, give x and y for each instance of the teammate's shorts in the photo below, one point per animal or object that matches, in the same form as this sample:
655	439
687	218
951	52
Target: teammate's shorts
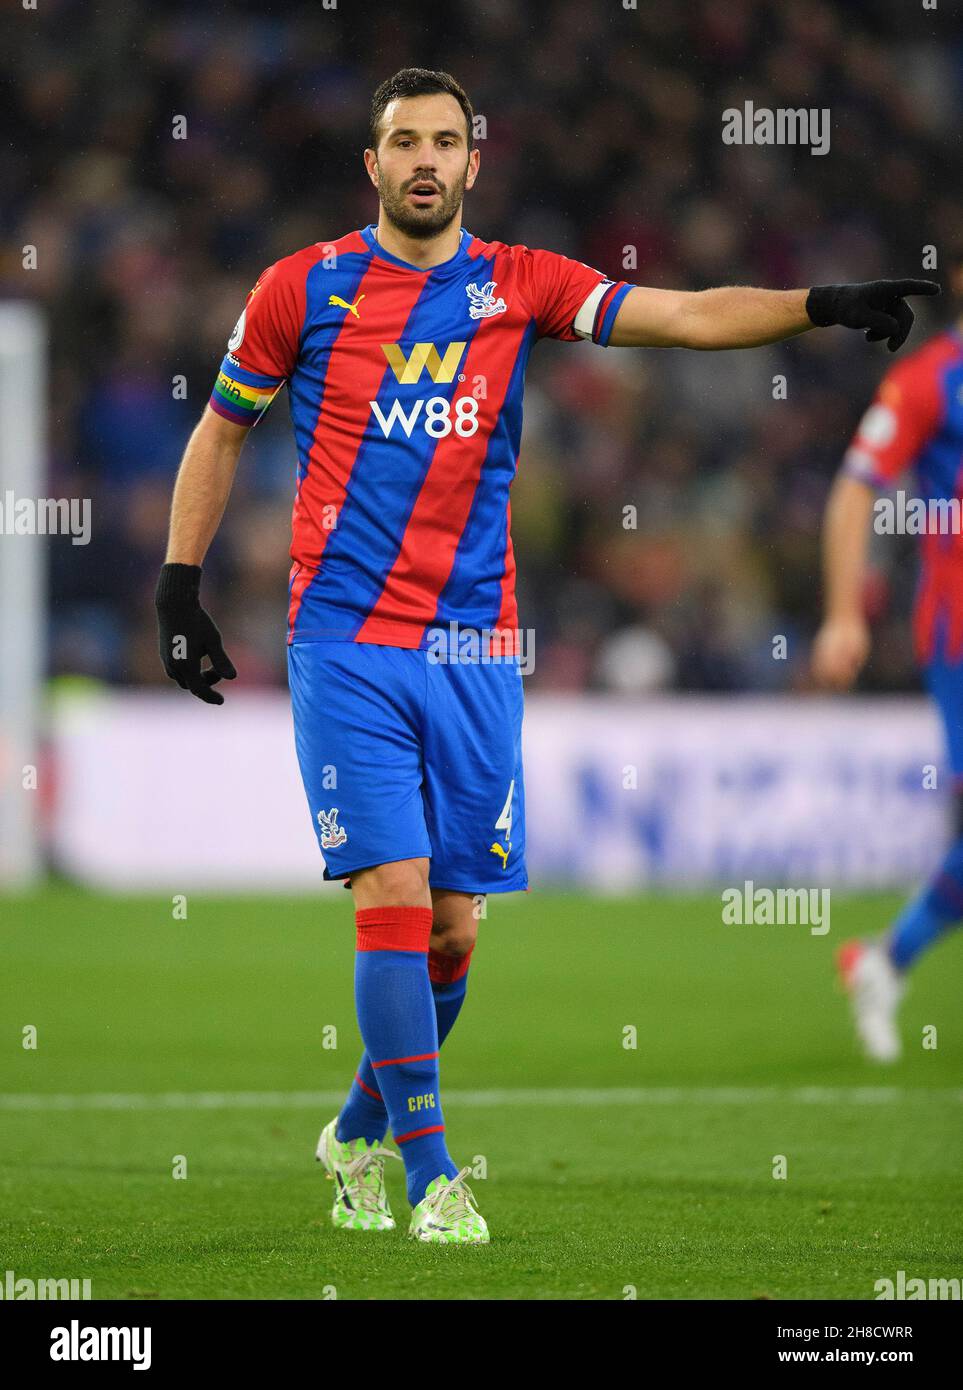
945	683
404	756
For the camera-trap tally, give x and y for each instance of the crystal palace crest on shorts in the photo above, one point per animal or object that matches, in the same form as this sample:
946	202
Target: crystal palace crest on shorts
332	834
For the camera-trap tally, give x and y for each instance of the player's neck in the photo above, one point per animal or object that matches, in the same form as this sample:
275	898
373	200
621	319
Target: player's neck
419	251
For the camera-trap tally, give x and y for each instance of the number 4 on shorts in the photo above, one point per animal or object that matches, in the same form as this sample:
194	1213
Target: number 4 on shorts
504	821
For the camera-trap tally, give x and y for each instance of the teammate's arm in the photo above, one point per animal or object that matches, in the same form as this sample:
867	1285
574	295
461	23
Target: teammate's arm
187	633
738	316
902	419
842	643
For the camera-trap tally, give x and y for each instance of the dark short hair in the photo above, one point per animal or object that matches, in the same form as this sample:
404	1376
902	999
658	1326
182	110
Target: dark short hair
417	82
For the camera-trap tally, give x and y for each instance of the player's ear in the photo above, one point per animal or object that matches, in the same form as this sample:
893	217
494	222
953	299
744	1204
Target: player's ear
371	164
474	159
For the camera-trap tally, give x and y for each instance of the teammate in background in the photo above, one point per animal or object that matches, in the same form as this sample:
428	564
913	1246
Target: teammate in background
404	347
915	421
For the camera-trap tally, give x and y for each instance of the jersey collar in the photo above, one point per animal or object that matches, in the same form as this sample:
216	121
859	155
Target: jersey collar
465	238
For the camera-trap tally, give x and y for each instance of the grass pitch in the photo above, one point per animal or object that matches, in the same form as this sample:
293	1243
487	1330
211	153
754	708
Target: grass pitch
162	1043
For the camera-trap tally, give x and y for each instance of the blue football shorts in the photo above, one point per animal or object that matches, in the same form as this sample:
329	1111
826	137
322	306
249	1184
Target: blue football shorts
405	756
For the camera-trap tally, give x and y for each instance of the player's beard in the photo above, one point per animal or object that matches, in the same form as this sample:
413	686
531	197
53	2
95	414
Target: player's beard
422	222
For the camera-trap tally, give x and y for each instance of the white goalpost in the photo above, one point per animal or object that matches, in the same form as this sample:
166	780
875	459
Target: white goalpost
22	589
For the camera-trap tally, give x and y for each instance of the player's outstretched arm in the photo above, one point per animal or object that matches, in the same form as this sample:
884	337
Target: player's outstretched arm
738	316
842	643
187	633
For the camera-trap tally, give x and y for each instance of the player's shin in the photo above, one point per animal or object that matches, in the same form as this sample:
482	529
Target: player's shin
396	1015
364	1114
938	908
449	983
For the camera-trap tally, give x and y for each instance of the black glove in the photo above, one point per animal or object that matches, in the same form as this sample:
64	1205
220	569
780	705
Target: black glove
879	306
188	634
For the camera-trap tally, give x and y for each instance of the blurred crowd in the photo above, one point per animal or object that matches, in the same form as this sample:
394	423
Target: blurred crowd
603	141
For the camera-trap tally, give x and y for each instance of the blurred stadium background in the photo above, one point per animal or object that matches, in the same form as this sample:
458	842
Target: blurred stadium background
149	244
603	133
654	648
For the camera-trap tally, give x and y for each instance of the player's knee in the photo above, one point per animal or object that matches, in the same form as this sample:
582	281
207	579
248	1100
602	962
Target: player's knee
454	925
454	937
402	884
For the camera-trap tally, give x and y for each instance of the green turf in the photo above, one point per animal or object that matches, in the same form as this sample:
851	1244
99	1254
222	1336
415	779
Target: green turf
675	1199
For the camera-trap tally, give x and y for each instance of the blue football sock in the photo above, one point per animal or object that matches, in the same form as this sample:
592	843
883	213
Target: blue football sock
364	1112
449	982
938	907
396	1015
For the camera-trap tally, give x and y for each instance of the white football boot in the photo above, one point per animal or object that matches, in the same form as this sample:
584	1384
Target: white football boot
358	1171
447	1214
875	988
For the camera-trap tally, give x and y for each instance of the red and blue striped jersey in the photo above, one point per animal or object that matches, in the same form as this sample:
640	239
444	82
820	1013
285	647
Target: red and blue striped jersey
405	388
916	421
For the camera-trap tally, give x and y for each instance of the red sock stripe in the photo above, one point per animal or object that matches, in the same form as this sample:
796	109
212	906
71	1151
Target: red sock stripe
375	1095
417	1133
393	928
445	970
396	1061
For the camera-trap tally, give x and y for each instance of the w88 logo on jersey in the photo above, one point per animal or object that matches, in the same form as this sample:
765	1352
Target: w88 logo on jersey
436	416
